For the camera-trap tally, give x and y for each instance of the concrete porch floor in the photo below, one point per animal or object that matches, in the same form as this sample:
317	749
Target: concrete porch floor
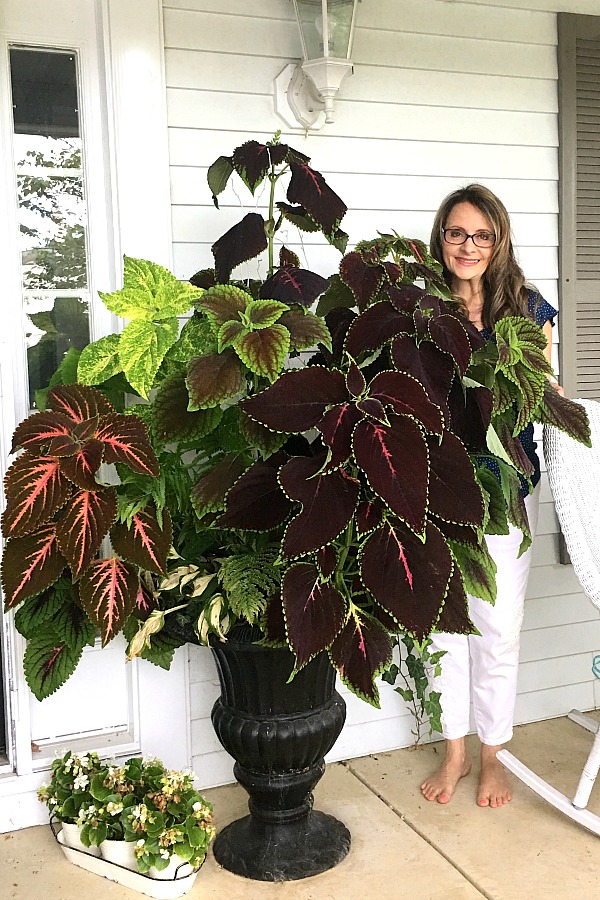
402	846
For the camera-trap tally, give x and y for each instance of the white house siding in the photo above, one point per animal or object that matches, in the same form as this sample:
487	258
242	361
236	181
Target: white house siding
443	93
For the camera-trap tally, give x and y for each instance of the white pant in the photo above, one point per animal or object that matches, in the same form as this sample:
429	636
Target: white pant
488	663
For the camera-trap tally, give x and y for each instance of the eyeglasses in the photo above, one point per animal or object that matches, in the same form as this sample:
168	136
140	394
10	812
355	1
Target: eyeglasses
460	236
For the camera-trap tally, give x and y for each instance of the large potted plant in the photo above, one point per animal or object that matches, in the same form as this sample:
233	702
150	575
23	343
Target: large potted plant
326	505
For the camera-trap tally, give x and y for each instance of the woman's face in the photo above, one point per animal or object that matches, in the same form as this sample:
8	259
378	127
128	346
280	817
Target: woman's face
465	261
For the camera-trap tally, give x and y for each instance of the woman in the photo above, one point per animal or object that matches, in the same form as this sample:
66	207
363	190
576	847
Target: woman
471	239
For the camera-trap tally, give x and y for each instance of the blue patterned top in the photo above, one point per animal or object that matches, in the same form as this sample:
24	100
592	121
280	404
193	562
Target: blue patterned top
541	311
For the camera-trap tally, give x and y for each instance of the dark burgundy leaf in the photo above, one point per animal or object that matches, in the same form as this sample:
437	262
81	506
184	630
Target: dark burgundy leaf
368	516
454	618
294	285
361	652
396	464
355	380
458	534
374	409
242	242
274	621
337	426
287	258
256	501
454	492
432	306
83	525
406	396
428	364
308	188
566	414
326	561
407	577
470	415
306	330
338	322
328	504
205	279
314	611
63	445
405	297
375	327
145	603
85	431
125	440
393	271
36	488
298	216
298	399
450	336
364	280
171	419
252	162
513	448
30	564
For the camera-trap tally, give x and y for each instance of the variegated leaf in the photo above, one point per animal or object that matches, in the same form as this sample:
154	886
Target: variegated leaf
125	440
35	490
144	542
83	525
264	351
108	593
30	564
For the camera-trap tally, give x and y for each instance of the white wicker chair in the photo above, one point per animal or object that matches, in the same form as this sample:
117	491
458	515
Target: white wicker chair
574	475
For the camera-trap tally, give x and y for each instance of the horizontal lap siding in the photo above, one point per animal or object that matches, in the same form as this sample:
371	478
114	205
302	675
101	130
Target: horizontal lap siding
443	93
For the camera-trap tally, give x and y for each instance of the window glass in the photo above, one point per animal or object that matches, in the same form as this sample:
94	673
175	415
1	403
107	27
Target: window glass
52	208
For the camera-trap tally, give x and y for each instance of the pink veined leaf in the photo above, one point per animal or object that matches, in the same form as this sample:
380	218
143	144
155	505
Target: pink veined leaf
35	490
396	463
314	611
125	440
360	652
292	284
36	432
30	564
145	602
82	467
337	426
144	543
79	402
83	525
407	577
108	592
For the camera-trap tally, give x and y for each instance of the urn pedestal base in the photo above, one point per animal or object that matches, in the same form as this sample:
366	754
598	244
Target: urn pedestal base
278	731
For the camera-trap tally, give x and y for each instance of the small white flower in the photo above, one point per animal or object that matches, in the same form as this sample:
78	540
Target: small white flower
165	854
81	782
197	806
140	843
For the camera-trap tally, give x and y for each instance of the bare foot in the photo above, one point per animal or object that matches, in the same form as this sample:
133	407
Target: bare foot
441	785
494	786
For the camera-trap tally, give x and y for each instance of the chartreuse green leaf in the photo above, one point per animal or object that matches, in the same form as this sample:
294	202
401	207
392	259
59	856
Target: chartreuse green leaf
196	339
142	348
150	292
100	360
48	662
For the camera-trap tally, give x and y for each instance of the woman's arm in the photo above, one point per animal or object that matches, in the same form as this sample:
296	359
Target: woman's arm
547	329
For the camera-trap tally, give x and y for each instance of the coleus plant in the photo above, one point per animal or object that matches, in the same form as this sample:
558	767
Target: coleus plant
237	339
58	513
383	513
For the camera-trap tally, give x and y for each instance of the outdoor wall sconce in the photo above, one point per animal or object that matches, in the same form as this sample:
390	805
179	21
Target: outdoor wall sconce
304	93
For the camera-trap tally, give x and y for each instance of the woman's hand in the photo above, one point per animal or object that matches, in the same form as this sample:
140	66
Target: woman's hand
557	387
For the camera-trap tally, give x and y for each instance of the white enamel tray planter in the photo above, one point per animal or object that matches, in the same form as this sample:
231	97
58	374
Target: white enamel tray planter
160	888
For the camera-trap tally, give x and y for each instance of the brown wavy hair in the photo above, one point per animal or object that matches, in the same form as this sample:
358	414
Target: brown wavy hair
505	291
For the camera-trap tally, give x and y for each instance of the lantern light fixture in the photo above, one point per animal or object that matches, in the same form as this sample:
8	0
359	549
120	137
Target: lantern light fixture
326	33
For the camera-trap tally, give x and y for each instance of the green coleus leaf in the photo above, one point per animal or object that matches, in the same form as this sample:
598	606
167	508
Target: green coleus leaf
228	333
496	522
142	348
72	624
213	379
478	570
306	330
99	361
223	303
218	175
531	385
170	417
263	313
196	339
264	351
48	662
337	294
39	611
150	292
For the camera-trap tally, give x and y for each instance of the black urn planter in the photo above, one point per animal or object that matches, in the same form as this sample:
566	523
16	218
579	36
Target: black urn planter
278	733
